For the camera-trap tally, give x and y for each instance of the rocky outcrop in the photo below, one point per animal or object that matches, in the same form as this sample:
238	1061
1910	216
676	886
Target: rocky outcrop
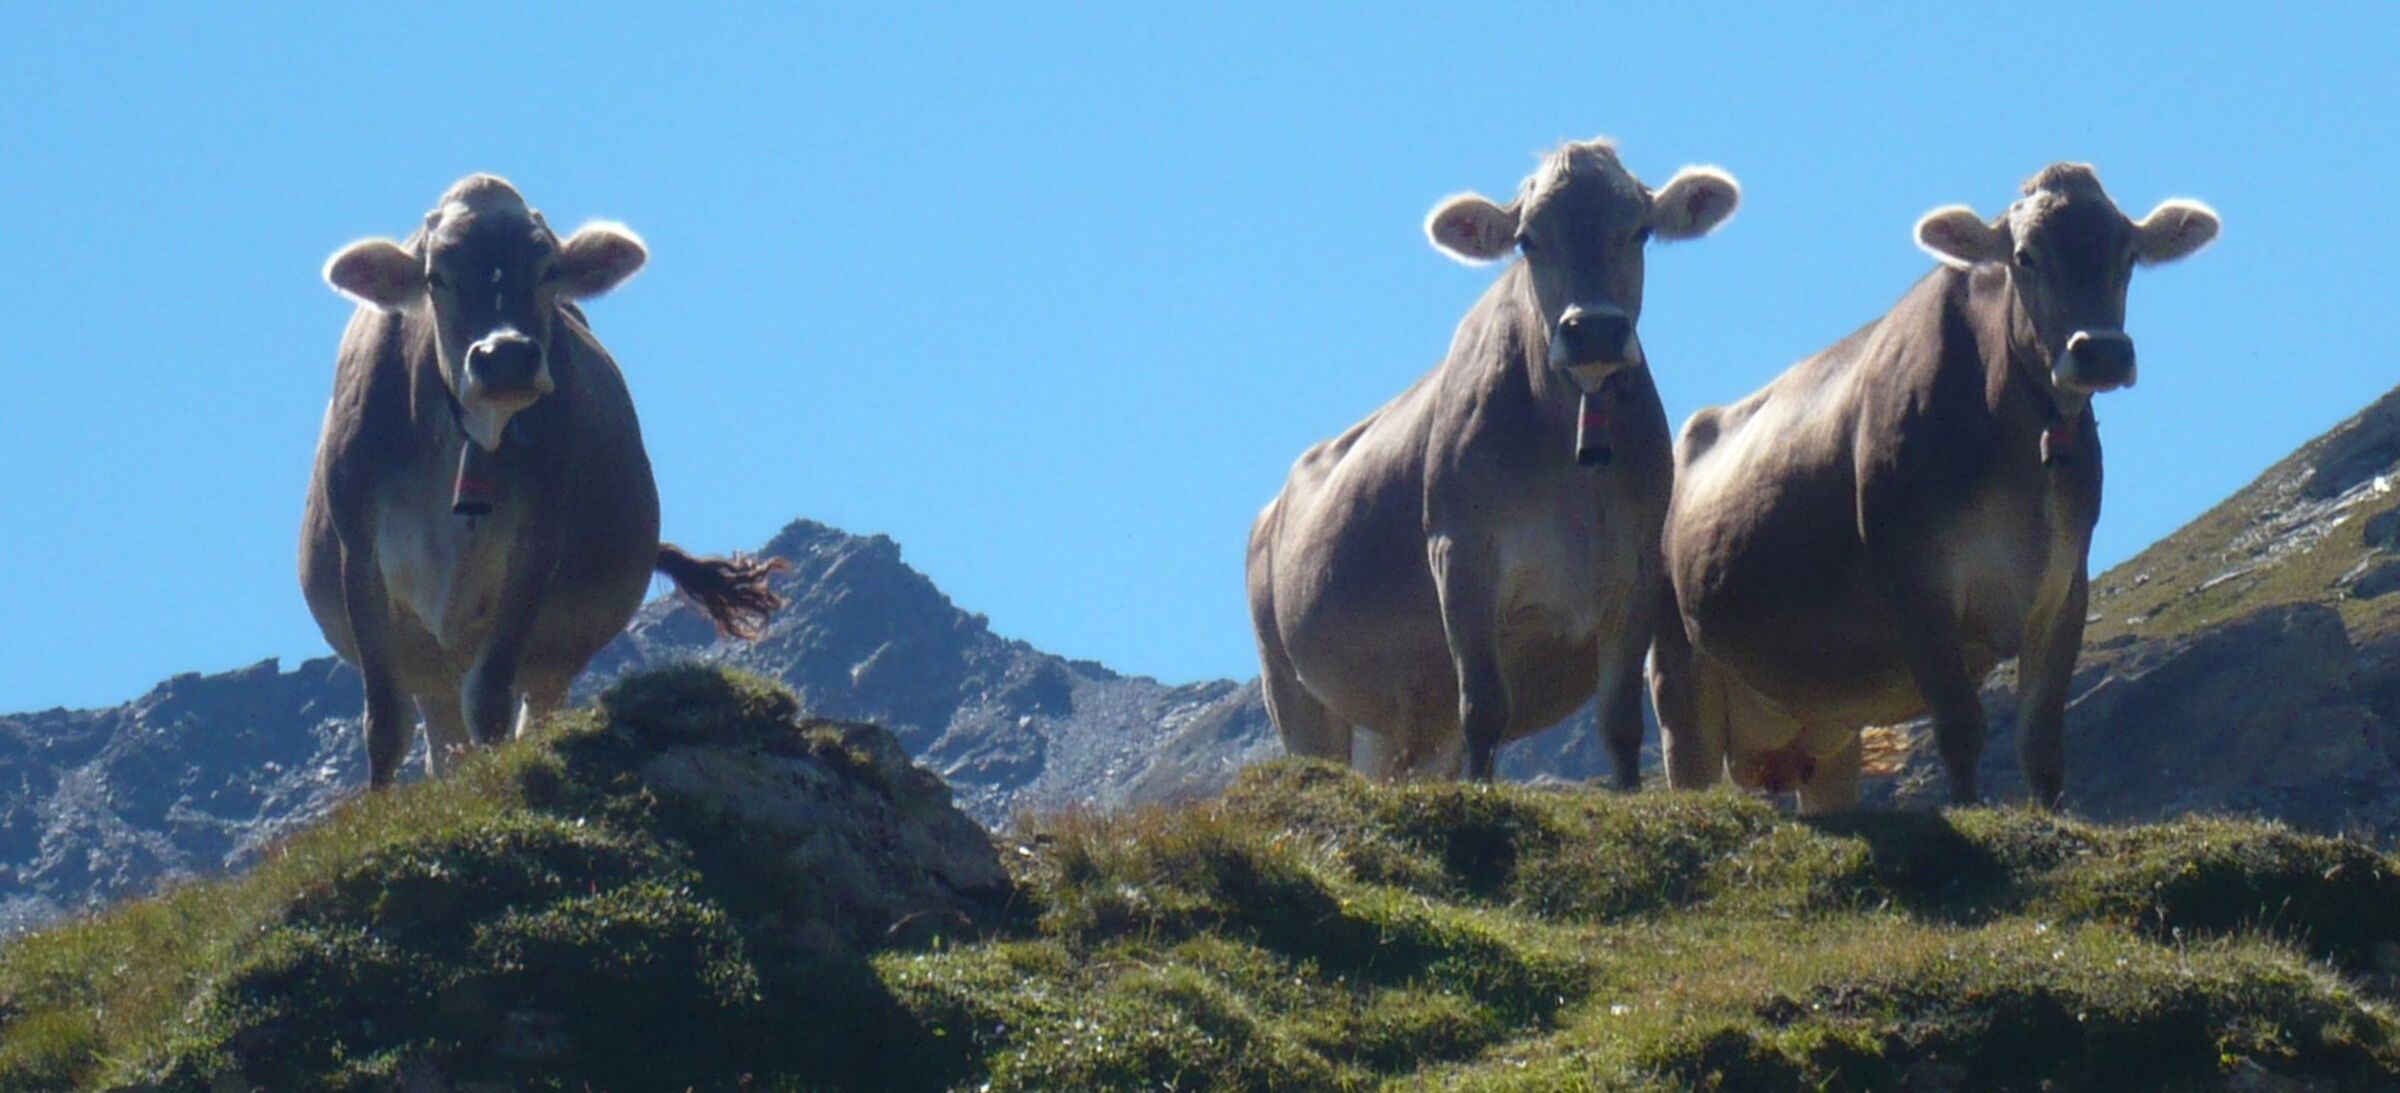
865	846
2275	714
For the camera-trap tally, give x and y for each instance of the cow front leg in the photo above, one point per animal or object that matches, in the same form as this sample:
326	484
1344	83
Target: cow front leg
386	721
1939	667
1619	706
388	728
1619	712
1482	716
2053	641
1468	619
490	693
490	697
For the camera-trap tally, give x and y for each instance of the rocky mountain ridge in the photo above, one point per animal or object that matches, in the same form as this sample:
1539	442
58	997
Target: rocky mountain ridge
195	776
867	638
2249	662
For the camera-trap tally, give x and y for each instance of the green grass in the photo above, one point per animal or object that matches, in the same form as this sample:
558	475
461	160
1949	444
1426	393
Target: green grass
1310	930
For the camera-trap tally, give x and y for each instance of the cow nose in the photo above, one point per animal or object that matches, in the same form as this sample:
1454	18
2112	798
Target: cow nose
505	363
2097	360
1594	337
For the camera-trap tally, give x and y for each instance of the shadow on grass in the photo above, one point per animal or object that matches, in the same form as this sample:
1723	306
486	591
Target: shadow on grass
1926	866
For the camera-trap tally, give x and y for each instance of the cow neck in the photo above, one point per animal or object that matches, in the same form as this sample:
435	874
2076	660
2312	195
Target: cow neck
1551	388
519	434
2021	361
1590	416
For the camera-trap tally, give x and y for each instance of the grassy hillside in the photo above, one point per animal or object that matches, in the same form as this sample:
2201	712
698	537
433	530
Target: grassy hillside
547	921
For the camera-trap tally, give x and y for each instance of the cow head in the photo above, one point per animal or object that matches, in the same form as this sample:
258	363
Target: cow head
1581	222
493	275
2069	255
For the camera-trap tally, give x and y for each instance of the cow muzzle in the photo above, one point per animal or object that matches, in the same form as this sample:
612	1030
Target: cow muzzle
505	373
2095	361
1594	343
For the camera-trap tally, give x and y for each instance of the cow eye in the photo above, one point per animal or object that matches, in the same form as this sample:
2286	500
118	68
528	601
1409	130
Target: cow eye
1525	243
1642	237
434	278
2025	259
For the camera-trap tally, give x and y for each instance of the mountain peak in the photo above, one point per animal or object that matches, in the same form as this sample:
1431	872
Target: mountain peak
866	637
803	537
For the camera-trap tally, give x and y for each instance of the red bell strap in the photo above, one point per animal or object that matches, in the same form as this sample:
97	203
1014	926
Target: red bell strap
1591	431
473	491
2058	445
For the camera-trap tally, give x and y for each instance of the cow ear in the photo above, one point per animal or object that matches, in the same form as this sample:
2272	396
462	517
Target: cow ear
378	273
597	258
1694	203
1959	238
2173	230
1470	228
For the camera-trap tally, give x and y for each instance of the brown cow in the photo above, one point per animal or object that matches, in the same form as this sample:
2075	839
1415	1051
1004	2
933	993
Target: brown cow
469	375
1445	575
1863	539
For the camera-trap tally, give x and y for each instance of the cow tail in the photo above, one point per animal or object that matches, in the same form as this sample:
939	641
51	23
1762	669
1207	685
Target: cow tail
733	591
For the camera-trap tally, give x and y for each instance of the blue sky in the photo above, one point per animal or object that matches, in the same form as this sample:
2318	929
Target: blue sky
1054	294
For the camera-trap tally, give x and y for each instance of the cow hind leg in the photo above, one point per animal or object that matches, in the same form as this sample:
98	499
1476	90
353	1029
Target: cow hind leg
1832	782
1307	727
1423	761
1692	728
1441	759
446	738
543	697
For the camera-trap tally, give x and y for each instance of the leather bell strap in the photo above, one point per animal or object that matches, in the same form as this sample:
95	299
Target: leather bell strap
473	492
2058	445
1591	431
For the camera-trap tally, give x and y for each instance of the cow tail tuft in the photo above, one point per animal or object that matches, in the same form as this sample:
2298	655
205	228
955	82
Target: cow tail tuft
733	591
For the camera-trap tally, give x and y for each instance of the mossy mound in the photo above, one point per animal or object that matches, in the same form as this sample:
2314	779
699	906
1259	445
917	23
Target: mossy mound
618	905
591	908
1316	930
